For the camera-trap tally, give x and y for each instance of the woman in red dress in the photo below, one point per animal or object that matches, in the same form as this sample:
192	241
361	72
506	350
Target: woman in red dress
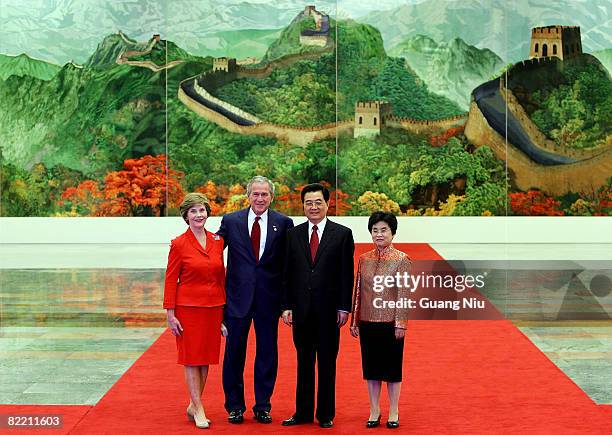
194	295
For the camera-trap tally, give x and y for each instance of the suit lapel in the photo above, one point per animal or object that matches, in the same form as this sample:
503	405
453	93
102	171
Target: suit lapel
303	237
244	230
194	242
325	239
270	233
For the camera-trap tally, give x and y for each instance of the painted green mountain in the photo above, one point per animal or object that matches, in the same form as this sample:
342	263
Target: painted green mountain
605	57
88	119
452	69
355	40
112	46
288	41
358	41
61	30
366	72
304	94
23	65
109	49
164	52
500	25
239	44
84	119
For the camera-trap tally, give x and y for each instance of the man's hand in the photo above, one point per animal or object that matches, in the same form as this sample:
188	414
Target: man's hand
173	323
355	331
342	318
399	333
288	317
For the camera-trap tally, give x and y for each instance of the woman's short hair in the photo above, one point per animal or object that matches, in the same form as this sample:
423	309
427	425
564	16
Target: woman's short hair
315	187
383	216
192	199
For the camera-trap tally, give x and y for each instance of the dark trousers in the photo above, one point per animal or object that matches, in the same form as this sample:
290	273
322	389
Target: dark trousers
316	340
266	361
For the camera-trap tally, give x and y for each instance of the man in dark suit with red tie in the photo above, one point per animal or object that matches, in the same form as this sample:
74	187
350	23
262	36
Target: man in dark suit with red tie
255	238
317	292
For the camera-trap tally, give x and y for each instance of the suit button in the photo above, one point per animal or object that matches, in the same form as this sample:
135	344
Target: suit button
309	289
311	270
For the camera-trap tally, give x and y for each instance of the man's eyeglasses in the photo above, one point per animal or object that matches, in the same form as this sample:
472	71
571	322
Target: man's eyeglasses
311	204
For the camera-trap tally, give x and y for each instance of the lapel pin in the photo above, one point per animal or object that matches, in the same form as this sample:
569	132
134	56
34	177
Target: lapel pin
274	228
216	237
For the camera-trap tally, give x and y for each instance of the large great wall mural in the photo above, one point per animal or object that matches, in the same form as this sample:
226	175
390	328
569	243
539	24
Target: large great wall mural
135	125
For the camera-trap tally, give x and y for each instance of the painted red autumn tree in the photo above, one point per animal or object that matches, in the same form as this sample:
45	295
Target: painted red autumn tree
338	203
145	187
84	199
289	201
217	196
440	140
236	199
534	203
603	200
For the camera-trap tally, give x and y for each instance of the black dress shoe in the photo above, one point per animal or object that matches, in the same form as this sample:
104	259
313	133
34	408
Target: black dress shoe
393	424
263	417
235	417
293	421
326	424
373	423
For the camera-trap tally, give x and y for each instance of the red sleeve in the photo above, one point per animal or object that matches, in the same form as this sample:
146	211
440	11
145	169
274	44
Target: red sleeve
173	271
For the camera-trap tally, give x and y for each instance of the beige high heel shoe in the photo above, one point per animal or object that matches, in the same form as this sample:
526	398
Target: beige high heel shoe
201	423
191	414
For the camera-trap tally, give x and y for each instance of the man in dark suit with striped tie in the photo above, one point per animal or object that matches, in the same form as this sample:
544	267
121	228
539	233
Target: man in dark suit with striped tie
255	238
317	292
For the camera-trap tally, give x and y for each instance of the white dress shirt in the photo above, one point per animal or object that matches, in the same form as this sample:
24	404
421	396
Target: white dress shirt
263	225
320	228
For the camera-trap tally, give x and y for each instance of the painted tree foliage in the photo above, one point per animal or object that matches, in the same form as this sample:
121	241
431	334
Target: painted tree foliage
425	176
577	114
145	187
534	203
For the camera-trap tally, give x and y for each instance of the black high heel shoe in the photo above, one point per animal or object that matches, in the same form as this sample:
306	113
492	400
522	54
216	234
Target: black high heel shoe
373	423
393	424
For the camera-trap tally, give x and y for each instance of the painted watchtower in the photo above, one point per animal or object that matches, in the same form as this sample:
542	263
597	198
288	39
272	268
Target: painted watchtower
224	64
369	117
559	41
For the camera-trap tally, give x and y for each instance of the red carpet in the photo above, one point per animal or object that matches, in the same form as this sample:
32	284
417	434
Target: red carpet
460	377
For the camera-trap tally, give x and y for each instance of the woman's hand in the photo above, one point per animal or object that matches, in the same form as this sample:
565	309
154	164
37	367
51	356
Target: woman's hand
399	333
355	331
288	317
174	324
223	330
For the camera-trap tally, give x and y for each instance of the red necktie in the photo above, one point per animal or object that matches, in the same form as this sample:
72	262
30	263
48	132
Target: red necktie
314	243
255	237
